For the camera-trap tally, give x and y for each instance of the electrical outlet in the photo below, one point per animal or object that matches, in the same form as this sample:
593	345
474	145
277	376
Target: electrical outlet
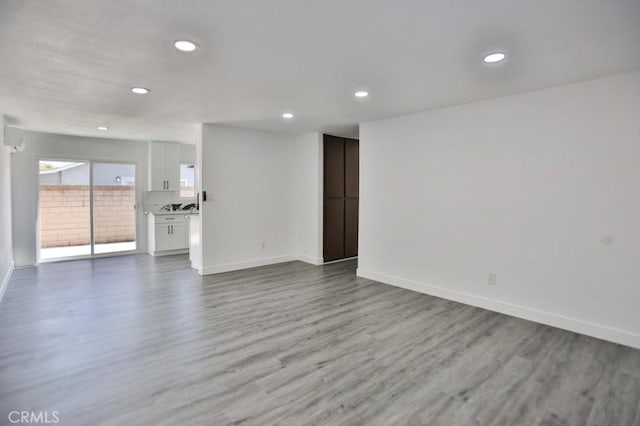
492	278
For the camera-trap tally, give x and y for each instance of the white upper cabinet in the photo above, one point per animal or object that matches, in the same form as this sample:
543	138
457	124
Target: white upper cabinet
164	166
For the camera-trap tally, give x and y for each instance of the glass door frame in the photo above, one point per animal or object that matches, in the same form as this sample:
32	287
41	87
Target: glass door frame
90	162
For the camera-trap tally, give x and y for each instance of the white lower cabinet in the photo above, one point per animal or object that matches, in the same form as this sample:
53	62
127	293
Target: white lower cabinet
168	234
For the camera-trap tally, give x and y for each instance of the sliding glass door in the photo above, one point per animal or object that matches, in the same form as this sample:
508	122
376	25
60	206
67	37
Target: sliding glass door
114	214
86	208
65	211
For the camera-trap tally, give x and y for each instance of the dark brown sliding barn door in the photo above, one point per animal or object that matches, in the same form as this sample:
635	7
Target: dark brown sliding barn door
341	197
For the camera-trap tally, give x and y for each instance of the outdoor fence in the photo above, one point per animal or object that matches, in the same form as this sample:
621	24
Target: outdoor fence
64	214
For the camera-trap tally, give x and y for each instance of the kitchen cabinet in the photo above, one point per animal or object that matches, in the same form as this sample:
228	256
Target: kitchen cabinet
164	166
168	234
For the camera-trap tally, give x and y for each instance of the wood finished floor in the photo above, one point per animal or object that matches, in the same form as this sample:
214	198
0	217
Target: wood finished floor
142	340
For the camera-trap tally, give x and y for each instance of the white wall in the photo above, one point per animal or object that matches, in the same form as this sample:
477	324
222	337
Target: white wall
24	181
262	187
525	186
308	197
250	198
196	248
6	251
187	153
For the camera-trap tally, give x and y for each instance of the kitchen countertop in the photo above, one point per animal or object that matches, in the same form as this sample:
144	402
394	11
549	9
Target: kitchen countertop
173	213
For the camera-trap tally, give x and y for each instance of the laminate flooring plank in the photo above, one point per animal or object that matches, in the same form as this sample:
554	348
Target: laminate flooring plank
140	340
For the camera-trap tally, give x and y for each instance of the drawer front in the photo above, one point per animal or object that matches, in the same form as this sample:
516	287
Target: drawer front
169	219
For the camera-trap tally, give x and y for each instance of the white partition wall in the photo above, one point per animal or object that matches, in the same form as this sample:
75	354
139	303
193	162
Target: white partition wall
308	197
263	198
247	219
6	250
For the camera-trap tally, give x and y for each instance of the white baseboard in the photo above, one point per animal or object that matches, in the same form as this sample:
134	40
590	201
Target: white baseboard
604	332
311	260
5	280
216	269
168	252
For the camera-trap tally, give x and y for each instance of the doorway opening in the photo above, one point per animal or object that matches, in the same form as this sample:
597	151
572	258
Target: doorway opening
86	208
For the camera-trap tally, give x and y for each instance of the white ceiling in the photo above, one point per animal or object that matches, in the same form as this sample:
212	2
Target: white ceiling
66	66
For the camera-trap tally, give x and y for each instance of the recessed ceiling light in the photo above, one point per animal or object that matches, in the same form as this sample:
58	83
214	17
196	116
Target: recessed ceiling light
361	94
185	45
492	58
103	128
287	115
140	90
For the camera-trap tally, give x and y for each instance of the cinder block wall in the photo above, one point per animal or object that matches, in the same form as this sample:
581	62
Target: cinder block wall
64	214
